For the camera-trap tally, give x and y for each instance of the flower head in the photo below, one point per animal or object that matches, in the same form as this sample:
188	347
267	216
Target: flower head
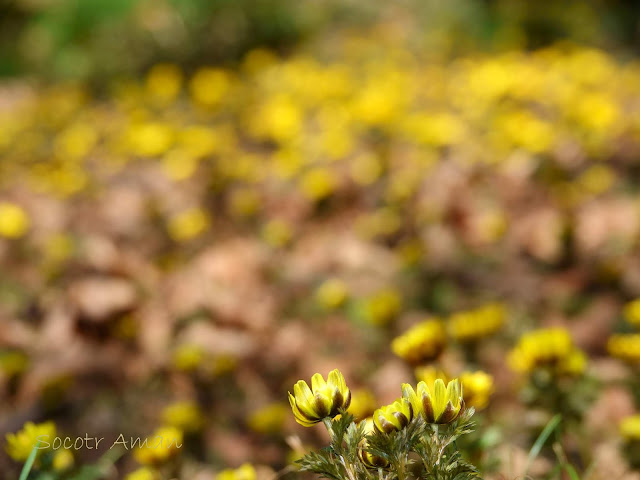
550	348
437	403
429	374
625	346
143	473
14	221
477	387
186	416
422	343
475	324
20	444
393	417
332	294
62	460
322	400
630	428
268	419
243	472
631	312
159	447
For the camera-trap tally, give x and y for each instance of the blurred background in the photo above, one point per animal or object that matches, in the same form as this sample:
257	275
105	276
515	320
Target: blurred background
203	201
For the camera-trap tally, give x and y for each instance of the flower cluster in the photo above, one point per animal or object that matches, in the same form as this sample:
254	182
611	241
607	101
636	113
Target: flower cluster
379	447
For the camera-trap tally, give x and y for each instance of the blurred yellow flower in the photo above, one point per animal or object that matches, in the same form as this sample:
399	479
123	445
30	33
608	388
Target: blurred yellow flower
188	224
268	419
476	324
277	233
381	307
144	473
14	221
625	346
332	293
20	444
63	460
188	357
186	416
244	202
163	444
244	472
318	183
550	348
164	82
75	142
178	164
208	86
631	312
429	374
422	343
150	139
13	363
363	404
630	428
477	387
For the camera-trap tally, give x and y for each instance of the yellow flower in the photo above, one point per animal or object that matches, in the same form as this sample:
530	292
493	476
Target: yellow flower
243	202
322	400
476	324
188	224
268	419
144	473
381	307
188	357
369	459
550	348
437	403
625	346
187	416
159	447
277	233
477	387
208	86
13	363
630	428
396	416
20	444
429	374
631	312
363	403
62	460
150	139
318	183
244	472
164	82
14	221
422	343
332	294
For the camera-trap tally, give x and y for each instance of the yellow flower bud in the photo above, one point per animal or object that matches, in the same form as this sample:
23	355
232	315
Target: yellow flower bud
393	417
322	400
437	403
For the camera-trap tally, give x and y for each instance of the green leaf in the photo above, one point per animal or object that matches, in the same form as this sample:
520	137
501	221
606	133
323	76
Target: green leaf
541	440
29	463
